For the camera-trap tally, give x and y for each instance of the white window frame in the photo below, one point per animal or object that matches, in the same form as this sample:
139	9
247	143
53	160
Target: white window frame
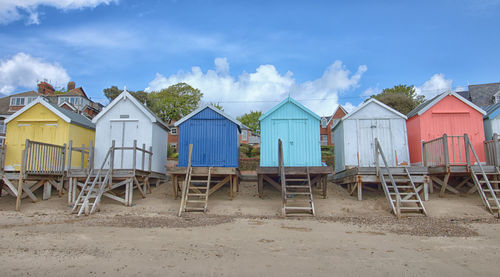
324	142
173	131
173	145
497	97
324	123
244	134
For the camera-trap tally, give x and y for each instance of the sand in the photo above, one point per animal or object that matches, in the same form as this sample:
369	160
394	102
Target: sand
247	237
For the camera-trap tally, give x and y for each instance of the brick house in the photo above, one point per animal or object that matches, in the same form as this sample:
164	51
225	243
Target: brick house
327	123
173	136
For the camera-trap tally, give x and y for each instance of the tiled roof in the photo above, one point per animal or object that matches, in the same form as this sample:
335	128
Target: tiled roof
483	95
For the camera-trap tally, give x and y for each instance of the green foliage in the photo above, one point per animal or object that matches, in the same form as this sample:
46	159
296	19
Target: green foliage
248	151
175	101
402	98
171	151
251	120
217	105
168	104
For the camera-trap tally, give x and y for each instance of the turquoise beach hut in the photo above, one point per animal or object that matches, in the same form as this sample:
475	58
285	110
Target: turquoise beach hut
299	130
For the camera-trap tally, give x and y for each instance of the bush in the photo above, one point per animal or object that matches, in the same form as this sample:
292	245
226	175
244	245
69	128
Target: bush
255	152
171	151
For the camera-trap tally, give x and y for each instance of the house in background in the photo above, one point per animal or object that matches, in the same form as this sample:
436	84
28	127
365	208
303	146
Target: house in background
327	123
11	104
492	121
248	136
482	95
173	136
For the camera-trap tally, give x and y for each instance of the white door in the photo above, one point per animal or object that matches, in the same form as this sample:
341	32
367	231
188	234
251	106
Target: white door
369	129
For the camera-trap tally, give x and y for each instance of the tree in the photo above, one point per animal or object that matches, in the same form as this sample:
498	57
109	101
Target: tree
112	92
175	101
251	120
402	98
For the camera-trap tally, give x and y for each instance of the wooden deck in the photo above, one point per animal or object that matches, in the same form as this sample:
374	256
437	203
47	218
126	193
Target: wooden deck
271	175
359	178
219	175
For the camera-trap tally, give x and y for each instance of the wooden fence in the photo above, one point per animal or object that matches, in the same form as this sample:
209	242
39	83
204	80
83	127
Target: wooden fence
85	154
445	151
142	152
2	157
43	158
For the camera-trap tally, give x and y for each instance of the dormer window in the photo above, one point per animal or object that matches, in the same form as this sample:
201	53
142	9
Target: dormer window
324	122
173	131
497	97
72	100
21	101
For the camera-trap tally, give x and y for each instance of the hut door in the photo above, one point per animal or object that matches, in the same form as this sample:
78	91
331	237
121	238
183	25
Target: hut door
298	143
124	133
369	130
280	130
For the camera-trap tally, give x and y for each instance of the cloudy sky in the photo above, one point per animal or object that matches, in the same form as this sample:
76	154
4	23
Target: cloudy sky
250	55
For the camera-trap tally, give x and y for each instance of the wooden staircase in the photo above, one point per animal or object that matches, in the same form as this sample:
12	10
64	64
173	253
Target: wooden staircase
401	193
489	193
296	191
92	190
195	190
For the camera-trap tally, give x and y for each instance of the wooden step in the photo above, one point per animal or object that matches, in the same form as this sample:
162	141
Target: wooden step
491	182
296	187
194	209
298	193
296	180
197	194
298	208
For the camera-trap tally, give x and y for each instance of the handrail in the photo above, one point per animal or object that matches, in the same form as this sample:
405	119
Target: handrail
84	151
282	175
445	151
492	151
136	149
187	180
469	146
379	151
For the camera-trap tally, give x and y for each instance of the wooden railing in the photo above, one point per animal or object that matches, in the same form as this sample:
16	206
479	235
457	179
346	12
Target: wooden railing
142	152
43	159
446	151
86	154
492	151
2	157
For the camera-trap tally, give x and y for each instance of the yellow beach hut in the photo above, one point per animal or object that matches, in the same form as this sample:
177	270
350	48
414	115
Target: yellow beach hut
44	122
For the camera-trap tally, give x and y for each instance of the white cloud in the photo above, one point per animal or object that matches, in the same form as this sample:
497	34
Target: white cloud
265	87
349	107
13	10
370	91
23	70
435	85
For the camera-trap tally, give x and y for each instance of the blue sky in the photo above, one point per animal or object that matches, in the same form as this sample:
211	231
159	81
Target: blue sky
250	54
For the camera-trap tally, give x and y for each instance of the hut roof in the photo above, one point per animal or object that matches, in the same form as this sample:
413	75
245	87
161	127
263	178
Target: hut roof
289	100
126	95
373	100
492	111
66	115
193	113
422	108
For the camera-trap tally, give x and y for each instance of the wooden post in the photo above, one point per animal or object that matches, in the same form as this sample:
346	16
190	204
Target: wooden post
424	154
143	156
90	162
496	155
467	153
112	157
21	177
82	157
70	154
134	156
150	158
445	151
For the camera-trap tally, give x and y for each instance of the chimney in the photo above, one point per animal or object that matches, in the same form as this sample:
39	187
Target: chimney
71	85
45	88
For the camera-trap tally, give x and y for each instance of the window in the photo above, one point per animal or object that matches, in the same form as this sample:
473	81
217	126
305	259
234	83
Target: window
324	139
173	131
497	97
124	116
323	122
244	135
173	145
72	100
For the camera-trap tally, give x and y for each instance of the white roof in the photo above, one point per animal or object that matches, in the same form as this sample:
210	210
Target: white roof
373	100
126	95
45	104
213	109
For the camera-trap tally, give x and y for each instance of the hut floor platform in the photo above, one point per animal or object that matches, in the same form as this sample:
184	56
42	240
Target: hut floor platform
454	178
128	178
10	180
271	175
218	176
358	178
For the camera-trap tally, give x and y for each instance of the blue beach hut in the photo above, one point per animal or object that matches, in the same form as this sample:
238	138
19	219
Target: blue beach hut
299	130
214	135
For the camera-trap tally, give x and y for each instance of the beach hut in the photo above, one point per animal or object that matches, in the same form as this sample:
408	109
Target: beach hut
124	121
371	143
451	114
44	122
37	138
215	140
130	151
491	121
291	153
355	133
299	130
446	134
